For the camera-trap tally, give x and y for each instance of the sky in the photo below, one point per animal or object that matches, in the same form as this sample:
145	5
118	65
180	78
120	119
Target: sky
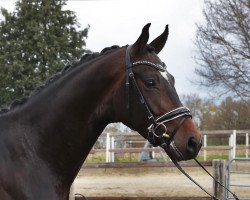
119	22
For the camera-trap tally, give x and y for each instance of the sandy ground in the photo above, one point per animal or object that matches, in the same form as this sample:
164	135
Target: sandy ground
147	183
142	186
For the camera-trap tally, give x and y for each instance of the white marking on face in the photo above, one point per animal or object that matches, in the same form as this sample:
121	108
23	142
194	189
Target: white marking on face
165	75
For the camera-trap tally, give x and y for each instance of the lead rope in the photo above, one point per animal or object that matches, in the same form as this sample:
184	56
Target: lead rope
234	195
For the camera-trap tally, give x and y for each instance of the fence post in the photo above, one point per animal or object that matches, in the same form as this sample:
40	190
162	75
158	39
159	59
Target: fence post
107	147
219	172
234	144
230	143
247	144
205	145
112	147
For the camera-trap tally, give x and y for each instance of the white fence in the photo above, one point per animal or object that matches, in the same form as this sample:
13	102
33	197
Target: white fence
111	139
232	141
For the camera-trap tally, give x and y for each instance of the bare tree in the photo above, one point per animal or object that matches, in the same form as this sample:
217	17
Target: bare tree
228	114
199	107
223	43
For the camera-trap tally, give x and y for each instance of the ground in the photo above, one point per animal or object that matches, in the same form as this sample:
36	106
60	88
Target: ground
150	182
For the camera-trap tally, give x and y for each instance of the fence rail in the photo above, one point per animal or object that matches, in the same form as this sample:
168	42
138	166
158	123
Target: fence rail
143	164
129	139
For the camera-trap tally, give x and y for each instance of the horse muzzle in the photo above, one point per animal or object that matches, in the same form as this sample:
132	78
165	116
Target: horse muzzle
178	153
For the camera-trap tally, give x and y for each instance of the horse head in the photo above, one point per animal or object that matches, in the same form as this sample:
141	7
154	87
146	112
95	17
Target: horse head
150	103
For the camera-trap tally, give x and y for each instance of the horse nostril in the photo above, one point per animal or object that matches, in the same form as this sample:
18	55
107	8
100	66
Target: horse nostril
192	145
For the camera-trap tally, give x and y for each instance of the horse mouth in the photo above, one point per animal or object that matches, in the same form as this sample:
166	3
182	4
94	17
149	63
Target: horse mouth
174	153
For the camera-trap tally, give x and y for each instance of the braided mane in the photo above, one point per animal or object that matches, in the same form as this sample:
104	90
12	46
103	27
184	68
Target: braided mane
84	59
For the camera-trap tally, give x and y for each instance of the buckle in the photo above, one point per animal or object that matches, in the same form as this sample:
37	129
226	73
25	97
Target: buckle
153	129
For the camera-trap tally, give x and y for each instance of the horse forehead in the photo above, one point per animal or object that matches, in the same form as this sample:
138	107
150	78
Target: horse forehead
165	76
154	58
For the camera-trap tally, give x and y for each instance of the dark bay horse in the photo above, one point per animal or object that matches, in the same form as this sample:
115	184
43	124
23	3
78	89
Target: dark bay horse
45	139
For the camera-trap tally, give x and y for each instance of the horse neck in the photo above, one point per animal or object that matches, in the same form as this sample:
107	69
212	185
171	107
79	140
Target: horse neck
67	117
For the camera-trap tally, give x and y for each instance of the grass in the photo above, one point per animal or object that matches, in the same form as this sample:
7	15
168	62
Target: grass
134	157
212	157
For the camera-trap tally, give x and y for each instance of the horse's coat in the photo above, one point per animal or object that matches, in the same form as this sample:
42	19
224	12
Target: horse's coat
45	140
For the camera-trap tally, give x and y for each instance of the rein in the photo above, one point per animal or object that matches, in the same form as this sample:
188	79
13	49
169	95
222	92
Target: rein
234	195
197	184
165	139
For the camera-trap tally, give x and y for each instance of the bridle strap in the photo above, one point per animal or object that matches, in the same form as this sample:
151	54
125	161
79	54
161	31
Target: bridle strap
128	72
178	126
130	76
159	67
142	100
173	114
155	123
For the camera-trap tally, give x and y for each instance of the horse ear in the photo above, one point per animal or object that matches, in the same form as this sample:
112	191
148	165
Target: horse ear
159	42
141	42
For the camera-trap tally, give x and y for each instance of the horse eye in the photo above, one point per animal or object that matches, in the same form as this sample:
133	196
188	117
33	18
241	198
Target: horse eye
150	83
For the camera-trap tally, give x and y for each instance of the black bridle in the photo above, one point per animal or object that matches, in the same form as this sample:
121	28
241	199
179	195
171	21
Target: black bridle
166	140
155	123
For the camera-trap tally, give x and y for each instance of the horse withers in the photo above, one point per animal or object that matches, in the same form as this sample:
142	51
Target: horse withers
45	138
